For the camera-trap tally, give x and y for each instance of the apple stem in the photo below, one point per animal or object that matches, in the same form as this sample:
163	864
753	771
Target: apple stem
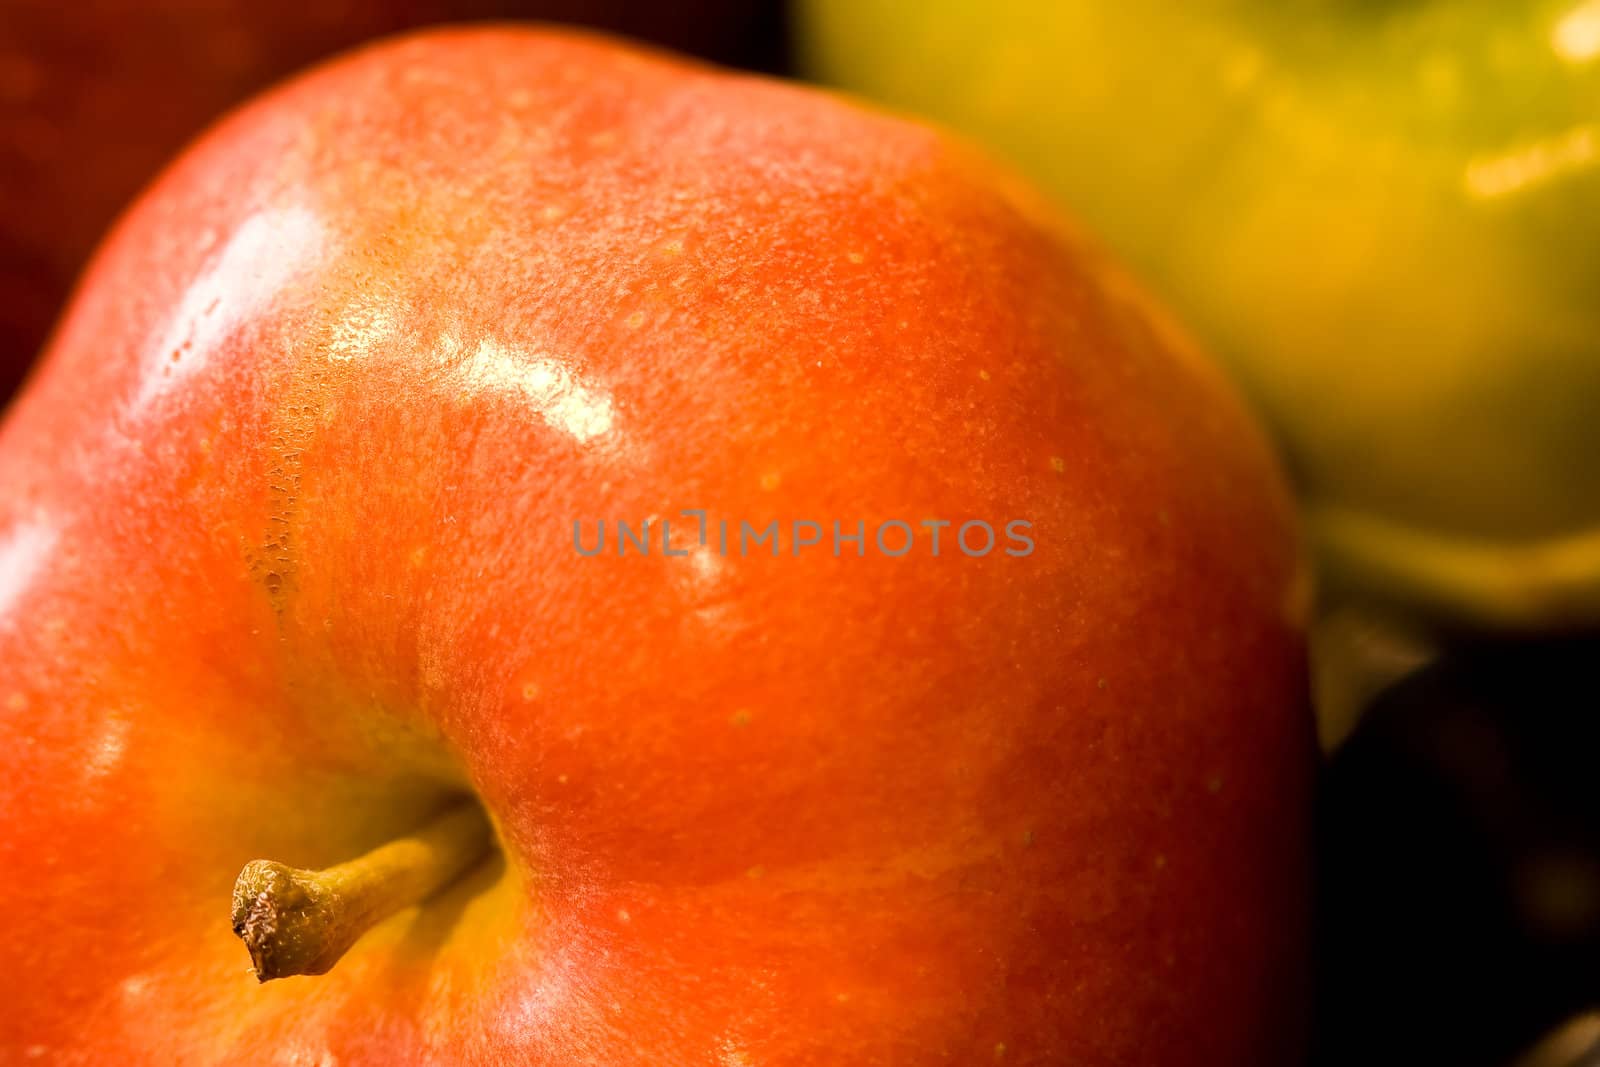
301	922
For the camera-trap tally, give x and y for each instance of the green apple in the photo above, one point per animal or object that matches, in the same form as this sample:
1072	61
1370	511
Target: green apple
1385	216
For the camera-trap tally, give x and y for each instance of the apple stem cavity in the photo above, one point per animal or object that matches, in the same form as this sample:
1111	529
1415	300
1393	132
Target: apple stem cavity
301	922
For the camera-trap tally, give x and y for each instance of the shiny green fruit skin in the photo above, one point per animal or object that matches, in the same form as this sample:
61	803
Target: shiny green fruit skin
1384	215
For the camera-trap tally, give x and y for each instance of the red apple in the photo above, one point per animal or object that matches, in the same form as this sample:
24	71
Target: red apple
95	96
287	559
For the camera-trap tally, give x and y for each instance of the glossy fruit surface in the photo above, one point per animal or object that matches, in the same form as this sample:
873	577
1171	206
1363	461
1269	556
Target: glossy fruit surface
95	98
1384	216
286	556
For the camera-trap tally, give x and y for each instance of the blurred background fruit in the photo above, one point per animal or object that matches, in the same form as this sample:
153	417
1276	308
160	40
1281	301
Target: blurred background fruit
1574	1044
96	96
1384	216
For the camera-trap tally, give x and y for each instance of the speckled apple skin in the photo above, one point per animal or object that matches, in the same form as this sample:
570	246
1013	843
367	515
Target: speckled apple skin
286	557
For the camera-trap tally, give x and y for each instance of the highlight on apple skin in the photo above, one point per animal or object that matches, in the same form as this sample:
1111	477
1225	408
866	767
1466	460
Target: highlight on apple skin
288	597
92	103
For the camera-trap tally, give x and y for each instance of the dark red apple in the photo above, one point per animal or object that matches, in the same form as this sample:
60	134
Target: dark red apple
287	561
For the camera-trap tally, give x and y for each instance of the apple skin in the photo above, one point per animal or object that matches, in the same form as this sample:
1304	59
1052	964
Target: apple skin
1385	219
93	99
286	548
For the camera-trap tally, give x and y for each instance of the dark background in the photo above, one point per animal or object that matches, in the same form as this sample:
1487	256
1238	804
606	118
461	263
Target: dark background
1459	844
